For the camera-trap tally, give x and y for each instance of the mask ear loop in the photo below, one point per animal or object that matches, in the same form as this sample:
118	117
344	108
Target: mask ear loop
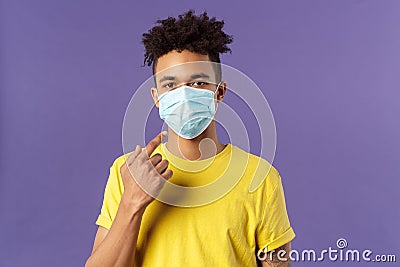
158	97
216	90
217	87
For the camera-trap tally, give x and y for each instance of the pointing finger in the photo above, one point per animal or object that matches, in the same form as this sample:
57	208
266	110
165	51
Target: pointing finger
153	144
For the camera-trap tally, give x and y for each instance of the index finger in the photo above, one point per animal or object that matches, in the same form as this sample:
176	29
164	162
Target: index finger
153	144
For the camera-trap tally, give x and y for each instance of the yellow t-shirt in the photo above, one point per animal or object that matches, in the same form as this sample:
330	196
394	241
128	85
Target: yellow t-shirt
238	208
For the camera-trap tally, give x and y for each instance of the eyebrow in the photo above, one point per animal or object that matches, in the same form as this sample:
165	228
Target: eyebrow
199	75
193	76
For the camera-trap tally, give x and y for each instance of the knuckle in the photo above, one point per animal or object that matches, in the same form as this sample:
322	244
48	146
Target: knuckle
123	167
157	155
147	167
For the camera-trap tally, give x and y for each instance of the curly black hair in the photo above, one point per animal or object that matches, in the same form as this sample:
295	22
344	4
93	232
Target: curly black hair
198	34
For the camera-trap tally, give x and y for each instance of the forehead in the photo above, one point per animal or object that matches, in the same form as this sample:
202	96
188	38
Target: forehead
183	65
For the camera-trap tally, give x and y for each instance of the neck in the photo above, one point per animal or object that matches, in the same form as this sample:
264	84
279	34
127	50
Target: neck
204	146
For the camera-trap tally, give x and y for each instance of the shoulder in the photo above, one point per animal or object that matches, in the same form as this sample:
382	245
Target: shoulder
261	172
120	160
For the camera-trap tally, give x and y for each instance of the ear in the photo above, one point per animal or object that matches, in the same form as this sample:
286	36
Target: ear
154	94
221	91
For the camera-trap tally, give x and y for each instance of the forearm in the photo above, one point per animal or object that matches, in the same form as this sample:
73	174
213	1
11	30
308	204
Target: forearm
287	263
119	246
278	257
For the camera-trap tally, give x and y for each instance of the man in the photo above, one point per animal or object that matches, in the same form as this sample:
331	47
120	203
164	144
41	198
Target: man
228	229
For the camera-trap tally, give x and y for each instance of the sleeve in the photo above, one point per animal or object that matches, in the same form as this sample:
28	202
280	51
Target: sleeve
112	196
275	229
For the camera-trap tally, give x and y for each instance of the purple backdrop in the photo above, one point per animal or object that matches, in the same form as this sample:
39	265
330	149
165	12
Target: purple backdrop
329	69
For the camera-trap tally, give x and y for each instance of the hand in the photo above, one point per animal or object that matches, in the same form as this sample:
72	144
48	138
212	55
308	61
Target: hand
139	171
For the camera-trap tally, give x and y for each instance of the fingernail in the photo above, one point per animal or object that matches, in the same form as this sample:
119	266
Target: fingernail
164	133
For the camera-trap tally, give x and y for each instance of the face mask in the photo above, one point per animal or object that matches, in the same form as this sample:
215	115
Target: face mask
187	111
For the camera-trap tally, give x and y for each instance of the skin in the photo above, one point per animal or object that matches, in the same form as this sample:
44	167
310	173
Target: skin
117	246
206	144
272	259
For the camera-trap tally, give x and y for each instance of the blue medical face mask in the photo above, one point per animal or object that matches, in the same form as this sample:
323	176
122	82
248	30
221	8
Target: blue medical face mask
187	110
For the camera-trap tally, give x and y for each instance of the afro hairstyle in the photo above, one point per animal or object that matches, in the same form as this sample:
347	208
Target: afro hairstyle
198	34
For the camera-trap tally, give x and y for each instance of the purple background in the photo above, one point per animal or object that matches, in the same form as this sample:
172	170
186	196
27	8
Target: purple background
329	69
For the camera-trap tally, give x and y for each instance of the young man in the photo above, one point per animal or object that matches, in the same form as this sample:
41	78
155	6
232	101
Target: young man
135	228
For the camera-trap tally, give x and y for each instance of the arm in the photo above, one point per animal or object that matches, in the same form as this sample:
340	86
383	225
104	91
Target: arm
275	233
117	246
275	258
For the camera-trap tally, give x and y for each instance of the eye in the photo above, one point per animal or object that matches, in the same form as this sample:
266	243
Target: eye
168	85
199	83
